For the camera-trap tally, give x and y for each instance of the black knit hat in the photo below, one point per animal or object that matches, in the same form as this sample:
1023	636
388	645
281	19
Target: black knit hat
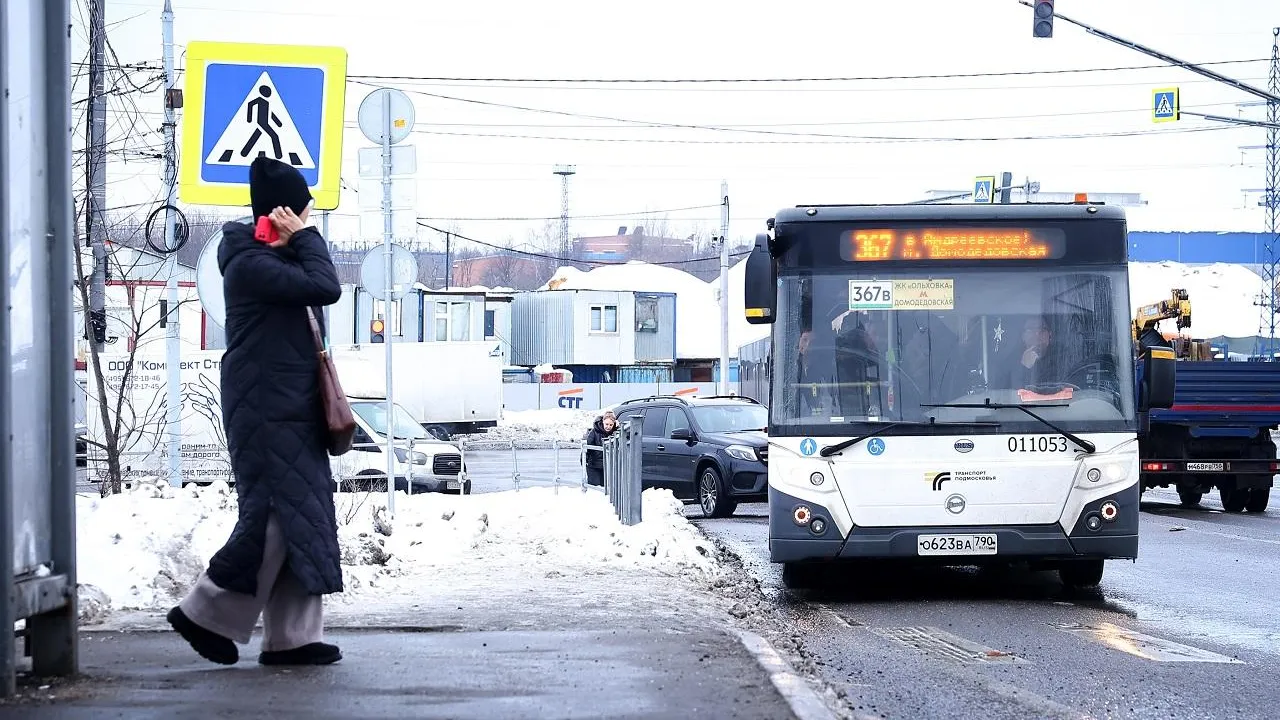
274	184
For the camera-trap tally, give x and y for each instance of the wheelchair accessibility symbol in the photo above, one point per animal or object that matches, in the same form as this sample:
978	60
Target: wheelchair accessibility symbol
808	446
875	446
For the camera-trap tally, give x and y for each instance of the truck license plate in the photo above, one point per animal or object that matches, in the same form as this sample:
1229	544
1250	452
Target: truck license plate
956	544
451	485
1204	467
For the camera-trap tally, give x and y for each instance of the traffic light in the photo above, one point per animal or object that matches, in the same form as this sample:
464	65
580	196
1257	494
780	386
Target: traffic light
1043	12
375	331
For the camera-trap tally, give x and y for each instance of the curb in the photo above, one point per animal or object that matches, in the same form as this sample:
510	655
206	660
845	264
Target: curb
804	702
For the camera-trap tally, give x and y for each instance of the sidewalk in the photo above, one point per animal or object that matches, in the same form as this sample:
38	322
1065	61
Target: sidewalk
651	652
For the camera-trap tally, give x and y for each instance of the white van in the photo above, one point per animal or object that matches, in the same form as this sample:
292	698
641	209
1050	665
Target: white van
435	466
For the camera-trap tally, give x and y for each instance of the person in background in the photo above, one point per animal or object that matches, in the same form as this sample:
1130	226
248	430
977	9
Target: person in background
603	428
282	556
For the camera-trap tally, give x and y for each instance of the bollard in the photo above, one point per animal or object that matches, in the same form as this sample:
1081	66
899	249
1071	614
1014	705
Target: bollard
555	468
462	471
635	479
408	476
515	467
582	460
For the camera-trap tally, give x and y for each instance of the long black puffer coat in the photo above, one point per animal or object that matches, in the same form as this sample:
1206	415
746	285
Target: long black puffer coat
272	411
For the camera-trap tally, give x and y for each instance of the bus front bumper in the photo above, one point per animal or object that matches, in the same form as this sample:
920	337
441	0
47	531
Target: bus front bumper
790	542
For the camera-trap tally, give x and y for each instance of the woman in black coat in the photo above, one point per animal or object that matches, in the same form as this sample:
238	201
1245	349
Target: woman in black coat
602	429
283	555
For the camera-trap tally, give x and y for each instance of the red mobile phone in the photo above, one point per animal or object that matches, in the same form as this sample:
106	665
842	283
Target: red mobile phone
265	231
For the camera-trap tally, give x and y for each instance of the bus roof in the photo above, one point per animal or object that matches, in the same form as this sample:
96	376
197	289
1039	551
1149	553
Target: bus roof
949	212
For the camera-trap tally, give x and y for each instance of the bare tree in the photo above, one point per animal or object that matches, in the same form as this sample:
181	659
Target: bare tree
128	428
503	269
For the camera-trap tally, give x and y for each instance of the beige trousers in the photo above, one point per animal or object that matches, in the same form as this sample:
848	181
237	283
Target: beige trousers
291	617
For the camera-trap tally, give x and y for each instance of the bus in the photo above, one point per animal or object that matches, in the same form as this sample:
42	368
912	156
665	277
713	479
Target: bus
952	384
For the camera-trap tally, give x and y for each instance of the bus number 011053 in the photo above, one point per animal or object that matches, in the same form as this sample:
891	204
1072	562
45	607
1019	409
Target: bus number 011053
1038	443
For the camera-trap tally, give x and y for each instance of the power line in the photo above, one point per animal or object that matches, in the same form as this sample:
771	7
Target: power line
546	256
787	80
850	141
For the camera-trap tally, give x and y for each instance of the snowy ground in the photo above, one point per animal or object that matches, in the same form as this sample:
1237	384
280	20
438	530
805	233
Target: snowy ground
144	549
538	426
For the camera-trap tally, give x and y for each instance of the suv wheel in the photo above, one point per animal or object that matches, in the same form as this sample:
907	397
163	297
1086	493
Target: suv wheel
712	498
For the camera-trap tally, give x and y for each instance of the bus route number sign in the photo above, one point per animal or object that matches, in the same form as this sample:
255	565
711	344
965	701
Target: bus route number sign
870	294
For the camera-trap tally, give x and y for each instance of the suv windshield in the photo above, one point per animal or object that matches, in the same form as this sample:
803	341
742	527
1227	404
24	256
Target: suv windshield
885	346
375	414
730	417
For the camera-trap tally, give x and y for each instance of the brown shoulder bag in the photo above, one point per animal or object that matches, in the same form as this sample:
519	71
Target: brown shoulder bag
339	421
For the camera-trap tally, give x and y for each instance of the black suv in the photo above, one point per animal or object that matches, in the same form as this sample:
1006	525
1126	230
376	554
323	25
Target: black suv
709	450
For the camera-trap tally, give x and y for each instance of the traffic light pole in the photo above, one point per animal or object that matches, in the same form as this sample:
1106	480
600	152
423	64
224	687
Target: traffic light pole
1192	67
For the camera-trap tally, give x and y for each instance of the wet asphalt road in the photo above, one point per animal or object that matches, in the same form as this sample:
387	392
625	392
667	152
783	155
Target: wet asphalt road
1203	598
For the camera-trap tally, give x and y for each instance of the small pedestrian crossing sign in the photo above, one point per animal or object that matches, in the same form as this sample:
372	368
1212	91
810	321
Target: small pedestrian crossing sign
1164	105
984	189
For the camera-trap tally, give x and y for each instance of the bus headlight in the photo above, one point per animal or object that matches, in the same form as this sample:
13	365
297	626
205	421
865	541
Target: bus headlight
1104	474
816	479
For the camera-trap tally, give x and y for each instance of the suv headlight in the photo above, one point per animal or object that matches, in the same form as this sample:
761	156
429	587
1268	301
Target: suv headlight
742	452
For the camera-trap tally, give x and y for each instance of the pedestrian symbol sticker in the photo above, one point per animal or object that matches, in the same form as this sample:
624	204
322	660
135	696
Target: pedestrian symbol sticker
875	446
808	446
261	128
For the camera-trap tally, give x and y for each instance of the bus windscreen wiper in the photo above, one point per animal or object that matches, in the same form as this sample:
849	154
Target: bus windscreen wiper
887	425
988	405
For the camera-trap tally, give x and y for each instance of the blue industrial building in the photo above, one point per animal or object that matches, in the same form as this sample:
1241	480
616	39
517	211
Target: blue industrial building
1198	247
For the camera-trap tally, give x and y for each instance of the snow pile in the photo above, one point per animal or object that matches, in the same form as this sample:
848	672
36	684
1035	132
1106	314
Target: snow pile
143	550
698	313
540	426
1223	296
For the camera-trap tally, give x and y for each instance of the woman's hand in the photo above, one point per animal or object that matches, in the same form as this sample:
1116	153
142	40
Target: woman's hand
287	223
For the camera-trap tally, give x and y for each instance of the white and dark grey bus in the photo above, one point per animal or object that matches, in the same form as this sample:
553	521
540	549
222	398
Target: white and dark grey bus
951	384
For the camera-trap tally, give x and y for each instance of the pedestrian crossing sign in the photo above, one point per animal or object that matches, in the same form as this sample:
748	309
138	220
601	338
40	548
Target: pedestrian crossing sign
1164	105
245	101
984	189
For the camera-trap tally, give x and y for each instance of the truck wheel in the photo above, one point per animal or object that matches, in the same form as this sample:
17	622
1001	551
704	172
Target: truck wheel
1258	498
1081	573
1233	498
1190	497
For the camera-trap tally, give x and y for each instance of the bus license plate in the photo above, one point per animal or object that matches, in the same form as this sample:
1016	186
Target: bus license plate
956	544
1205	467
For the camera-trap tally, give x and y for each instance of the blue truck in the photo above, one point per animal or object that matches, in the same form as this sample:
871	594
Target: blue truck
1218	431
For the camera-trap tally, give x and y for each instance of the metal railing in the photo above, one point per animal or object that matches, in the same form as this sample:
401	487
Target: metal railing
622	471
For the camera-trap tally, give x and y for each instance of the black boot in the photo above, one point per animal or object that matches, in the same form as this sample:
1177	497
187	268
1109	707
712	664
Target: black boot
209	644
316	653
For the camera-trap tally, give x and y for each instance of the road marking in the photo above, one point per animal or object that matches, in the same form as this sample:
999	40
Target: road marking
940	643
1142	645
802	699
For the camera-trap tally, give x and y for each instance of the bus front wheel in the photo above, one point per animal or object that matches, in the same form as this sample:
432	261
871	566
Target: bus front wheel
1081	573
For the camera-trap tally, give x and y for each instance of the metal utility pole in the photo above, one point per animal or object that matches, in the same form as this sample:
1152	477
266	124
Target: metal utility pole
1267	343
96	177
173	343
724	287
448	262
565	172
1006	187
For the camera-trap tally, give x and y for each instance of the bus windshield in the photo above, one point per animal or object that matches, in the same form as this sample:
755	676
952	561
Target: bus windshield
868	345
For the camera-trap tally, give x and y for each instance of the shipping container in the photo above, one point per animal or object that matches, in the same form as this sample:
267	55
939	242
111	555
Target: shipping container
573	328
644	374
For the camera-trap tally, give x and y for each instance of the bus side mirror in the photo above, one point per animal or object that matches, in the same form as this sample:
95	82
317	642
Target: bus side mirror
1158	366
761	291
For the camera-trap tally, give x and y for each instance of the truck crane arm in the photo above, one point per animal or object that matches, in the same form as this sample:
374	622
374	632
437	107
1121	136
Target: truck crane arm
1177	307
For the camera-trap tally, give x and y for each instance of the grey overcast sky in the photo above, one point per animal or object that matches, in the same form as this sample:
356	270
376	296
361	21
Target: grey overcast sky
486	148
